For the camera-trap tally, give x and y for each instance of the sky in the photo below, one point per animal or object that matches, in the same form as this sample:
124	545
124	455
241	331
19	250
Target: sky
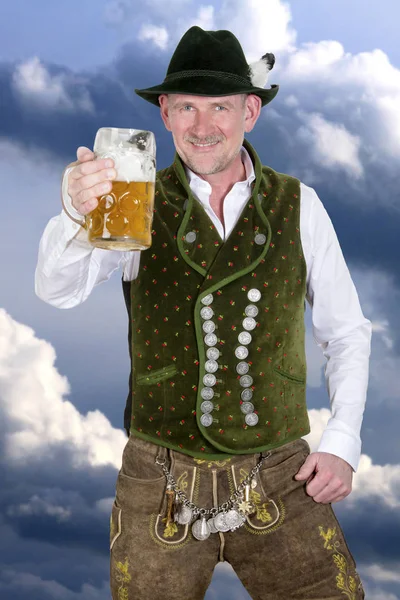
65	71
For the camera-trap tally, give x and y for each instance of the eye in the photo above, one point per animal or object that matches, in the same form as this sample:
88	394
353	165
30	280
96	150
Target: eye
220	106
187	106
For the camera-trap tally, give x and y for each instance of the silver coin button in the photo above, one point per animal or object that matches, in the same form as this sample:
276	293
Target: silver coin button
190	237
246	407
241	352
207	299
211	366
206	420
206	406
242	368
208	326
251	419
206	312
209	380
207	393
260	239
246	395
246	381
210	339
213	353
254	295
251	310
249	323
244	337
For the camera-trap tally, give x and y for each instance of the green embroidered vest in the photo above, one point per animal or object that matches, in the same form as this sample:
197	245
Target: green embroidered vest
252	286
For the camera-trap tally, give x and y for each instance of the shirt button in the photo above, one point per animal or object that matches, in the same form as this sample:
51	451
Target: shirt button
190	237
260	239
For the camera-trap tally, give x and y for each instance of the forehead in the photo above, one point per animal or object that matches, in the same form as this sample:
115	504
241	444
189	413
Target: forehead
175	99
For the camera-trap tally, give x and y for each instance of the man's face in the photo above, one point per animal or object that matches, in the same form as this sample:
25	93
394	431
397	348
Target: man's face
208	131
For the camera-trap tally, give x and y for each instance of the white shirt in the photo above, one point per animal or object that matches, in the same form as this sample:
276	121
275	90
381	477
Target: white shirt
69	267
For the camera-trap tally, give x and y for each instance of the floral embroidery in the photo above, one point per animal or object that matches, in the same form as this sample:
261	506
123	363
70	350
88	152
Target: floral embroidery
123	577
344	581
211	463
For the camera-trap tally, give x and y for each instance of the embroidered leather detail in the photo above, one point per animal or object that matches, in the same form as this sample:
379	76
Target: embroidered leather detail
268	516
173	535
123	576
212	463
347	583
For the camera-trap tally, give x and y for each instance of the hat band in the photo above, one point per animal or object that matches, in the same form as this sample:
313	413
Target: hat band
207	73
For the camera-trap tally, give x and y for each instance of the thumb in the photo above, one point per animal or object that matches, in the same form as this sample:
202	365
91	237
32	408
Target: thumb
307	468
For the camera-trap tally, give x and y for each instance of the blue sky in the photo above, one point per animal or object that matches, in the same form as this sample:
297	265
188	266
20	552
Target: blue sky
67	69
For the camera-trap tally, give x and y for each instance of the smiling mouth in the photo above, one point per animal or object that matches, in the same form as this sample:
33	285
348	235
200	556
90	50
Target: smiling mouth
204	145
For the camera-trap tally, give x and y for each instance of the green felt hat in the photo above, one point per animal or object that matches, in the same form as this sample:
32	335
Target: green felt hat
212	63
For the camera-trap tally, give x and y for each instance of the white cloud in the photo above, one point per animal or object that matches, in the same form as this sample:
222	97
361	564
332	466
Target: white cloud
260	26
332	146
157	35
34	84
17	582
38	506
36	416
364	89
380	574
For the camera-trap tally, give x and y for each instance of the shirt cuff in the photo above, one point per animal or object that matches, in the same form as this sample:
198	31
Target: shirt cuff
336	440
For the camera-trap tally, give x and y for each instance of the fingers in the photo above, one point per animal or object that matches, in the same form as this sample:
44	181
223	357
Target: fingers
326	488
83	154
307	468
89	180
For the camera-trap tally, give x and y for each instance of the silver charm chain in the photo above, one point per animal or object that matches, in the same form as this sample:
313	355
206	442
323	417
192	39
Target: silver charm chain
203	512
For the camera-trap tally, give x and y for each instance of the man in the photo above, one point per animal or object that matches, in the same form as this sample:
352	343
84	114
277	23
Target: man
215	467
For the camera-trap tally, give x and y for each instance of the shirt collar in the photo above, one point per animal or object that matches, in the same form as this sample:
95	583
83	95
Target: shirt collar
197	182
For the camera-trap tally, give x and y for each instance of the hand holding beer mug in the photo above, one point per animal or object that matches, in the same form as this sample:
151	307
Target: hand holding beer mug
123	216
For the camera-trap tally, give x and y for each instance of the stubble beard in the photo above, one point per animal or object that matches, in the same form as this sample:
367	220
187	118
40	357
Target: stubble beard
219	164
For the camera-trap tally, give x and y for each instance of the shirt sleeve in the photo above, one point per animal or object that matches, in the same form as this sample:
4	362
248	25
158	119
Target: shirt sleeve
68	266
340	330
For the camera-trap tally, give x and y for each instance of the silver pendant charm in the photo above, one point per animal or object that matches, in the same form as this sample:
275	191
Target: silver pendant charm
233	519
200	529
220	523
211	525
184	515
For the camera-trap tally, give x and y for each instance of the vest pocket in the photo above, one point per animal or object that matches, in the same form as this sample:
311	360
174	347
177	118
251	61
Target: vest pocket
156	376
115	524
285	375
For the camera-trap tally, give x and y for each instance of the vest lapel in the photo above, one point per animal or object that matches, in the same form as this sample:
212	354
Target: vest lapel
201	246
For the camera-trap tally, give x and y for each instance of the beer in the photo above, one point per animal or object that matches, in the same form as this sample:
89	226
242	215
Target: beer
123	217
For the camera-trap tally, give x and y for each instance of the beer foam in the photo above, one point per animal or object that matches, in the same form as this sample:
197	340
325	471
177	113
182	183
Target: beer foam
135	167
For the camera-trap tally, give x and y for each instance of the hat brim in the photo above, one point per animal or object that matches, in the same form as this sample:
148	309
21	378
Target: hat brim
205	86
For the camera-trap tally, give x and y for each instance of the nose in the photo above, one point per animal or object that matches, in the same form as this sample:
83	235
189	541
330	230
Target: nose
202	125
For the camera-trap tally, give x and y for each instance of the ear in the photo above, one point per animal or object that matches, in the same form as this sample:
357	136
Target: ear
253	109
164	110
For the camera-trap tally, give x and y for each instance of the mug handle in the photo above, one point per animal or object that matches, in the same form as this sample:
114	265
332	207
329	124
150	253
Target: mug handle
82	223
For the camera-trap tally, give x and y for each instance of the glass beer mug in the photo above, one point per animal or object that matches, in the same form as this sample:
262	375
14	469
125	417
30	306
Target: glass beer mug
124	216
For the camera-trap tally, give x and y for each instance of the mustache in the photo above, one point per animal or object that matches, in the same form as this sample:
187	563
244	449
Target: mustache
209	139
